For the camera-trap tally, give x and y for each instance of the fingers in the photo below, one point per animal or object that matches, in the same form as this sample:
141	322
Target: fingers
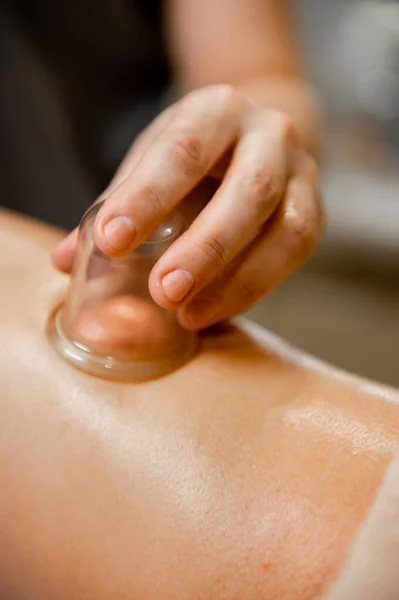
250	193
288	240
203	126
63	254
138	148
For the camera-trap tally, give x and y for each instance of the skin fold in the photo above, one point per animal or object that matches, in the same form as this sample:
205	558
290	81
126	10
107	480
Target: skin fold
243	475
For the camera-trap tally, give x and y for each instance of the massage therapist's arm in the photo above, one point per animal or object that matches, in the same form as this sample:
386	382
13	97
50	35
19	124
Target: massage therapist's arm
251	44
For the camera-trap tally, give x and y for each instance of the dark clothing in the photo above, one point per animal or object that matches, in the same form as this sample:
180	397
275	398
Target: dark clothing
79	79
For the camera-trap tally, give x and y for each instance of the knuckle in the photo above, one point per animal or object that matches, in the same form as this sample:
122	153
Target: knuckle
213	250
228	99
288	129
303	231
221	93
193	96
251	290
188	152
262	186
225	93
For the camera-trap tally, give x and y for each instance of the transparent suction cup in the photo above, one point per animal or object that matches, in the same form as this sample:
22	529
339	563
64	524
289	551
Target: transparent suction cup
109	324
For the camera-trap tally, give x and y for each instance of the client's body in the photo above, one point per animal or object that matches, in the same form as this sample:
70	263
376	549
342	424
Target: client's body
244	475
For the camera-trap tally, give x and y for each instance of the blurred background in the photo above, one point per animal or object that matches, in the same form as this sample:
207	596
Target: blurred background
343	305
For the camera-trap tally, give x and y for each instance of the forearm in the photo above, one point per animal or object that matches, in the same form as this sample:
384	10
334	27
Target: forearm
250	44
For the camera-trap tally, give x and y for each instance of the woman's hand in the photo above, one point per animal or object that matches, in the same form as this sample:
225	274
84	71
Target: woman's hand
258	224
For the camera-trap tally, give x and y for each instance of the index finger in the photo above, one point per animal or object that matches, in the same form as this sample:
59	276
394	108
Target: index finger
204	126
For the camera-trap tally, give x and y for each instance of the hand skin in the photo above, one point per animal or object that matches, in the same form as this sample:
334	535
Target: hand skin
245	474
240	147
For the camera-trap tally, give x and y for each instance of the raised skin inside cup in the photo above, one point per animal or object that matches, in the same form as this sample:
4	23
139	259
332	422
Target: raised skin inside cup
125	327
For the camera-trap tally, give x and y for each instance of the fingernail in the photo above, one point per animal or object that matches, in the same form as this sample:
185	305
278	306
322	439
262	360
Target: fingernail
119	233
177	284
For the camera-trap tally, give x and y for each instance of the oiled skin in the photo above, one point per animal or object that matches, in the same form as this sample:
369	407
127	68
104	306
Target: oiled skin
244	475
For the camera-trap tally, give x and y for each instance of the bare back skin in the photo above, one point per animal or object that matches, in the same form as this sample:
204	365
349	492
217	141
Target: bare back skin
244	475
